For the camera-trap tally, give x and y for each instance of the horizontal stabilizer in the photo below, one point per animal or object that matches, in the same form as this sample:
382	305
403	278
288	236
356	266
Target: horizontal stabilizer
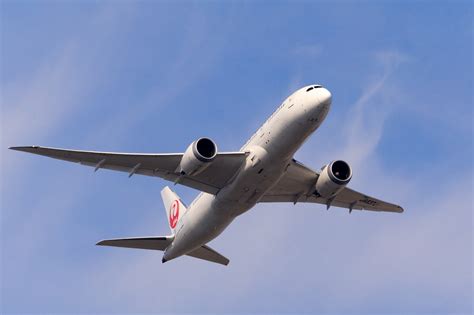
207	253
154	243
161	243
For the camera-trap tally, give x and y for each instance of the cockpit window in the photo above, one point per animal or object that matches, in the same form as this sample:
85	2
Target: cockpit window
313	87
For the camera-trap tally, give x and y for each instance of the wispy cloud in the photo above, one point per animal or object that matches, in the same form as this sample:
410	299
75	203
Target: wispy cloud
367	116
356	135
394	252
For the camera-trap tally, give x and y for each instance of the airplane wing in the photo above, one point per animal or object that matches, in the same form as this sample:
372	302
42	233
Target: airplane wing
211	180
297	185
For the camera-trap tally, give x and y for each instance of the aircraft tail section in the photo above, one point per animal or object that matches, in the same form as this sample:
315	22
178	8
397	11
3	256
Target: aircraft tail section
174	207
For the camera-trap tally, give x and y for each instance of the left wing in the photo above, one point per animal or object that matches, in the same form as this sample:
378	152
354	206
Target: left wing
297	185
211	180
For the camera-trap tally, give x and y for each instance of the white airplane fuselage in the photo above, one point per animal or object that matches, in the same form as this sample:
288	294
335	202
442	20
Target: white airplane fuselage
270	149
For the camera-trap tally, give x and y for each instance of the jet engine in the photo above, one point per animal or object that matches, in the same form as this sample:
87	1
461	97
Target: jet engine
333	178
197	157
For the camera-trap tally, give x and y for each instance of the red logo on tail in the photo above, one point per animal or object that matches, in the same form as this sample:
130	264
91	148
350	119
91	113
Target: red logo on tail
174	213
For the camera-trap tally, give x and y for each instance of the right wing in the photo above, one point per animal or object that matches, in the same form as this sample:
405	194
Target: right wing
211	180
297	185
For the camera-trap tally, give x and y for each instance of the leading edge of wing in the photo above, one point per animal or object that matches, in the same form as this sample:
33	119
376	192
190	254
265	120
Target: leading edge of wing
36	149
39	150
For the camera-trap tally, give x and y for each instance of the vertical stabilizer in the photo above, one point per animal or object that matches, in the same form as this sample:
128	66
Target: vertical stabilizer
174	207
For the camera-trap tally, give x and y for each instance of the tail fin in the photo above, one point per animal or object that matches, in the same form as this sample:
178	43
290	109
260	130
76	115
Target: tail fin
174	207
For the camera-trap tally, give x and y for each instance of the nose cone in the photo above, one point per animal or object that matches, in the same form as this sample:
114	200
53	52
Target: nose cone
324	96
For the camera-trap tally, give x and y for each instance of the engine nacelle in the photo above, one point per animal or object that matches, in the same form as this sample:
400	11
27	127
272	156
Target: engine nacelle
197	157
333	178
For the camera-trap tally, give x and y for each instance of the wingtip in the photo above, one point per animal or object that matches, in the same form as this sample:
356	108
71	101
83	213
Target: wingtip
100	243
27	148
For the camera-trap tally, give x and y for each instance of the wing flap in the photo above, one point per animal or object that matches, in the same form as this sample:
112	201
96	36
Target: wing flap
348	197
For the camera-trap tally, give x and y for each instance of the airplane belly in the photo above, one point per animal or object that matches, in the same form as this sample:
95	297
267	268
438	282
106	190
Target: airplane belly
205	220
261	172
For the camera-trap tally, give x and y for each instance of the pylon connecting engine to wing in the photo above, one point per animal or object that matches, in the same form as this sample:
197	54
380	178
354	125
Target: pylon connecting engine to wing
197	157
333	178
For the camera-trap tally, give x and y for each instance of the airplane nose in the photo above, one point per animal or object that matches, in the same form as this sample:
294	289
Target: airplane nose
324	96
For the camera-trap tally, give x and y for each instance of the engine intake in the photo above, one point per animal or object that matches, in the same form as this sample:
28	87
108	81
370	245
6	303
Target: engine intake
197	157
204	149
333	178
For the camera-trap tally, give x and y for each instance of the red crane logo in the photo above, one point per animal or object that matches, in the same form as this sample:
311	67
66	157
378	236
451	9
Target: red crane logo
174	213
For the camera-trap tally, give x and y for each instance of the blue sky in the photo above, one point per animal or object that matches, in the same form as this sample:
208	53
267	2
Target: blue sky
151	76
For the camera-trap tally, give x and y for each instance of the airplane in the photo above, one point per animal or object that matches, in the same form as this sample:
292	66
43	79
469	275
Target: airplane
231	183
